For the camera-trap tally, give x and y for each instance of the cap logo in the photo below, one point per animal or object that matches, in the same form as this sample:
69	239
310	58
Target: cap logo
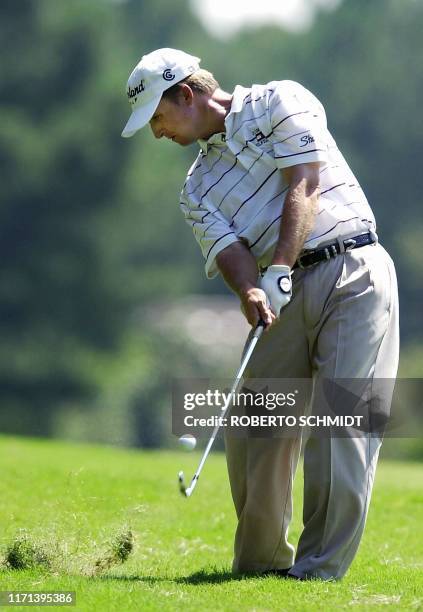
136	90
167	75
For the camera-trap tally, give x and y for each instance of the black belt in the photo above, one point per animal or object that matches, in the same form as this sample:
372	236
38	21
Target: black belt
310	258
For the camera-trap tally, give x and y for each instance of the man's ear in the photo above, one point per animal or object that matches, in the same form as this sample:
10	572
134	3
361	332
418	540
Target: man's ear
187	94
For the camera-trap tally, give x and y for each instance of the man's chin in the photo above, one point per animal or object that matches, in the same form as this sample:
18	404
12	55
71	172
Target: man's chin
184	142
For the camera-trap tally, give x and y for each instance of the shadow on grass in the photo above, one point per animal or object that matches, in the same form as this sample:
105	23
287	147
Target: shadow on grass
132	578
202	577
211	577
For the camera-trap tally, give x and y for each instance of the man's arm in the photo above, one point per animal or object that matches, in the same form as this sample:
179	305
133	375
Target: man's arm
298	212
239	270
239	267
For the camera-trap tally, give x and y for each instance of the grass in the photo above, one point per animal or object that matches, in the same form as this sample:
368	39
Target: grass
111	525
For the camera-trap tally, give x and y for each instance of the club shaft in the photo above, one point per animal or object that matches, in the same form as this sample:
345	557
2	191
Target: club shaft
256	336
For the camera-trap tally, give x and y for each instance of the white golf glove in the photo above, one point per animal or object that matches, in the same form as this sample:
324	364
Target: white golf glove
277	285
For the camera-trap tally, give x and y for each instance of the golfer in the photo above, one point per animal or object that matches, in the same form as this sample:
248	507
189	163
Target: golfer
277	211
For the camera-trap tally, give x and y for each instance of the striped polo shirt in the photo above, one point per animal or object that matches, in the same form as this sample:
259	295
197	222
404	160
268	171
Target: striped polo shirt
235	190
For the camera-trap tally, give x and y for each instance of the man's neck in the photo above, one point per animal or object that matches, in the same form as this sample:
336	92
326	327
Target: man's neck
217	108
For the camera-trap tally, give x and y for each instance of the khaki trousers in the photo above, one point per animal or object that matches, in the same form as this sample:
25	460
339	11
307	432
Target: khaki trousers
341	323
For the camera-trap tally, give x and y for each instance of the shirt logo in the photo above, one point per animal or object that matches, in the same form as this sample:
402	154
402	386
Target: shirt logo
167	75
260	138
306	140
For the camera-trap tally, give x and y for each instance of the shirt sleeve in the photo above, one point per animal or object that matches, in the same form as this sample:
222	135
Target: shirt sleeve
211	230
298	126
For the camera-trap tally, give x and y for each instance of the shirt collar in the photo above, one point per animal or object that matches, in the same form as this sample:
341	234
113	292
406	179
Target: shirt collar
215	139
238	98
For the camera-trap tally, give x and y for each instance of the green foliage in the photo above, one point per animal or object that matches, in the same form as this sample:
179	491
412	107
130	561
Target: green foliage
90	227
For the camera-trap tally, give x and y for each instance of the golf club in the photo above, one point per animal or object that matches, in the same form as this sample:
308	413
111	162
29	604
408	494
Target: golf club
187	491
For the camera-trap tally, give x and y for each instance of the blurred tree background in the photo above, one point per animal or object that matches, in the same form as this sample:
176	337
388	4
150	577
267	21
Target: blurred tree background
94	250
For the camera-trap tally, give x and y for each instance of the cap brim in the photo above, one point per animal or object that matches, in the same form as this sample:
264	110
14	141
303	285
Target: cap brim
140	116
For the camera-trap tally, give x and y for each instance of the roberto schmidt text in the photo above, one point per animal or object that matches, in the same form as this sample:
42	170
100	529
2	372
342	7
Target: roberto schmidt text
273	420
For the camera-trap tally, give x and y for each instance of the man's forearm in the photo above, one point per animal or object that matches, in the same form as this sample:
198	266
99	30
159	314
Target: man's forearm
240	272
238	268
297	221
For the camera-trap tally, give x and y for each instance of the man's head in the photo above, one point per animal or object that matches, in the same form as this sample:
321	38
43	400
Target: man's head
164	89
182	114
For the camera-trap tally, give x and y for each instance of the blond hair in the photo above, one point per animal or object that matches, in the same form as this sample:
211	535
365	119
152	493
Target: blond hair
201	81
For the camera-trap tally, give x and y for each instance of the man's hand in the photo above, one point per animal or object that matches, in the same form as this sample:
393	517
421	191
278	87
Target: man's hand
255	306
239	269
277	285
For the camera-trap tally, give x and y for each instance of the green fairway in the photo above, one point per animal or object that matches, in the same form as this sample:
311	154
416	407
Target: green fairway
72	499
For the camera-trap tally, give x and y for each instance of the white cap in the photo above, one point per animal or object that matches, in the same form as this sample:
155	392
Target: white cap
155	73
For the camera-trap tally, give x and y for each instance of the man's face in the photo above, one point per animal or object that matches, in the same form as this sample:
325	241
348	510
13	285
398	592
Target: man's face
176	120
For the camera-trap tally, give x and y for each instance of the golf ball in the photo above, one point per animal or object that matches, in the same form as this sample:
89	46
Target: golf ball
188	442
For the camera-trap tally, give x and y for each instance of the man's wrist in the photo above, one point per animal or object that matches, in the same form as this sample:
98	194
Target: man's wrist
277	284
246	287
283	260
